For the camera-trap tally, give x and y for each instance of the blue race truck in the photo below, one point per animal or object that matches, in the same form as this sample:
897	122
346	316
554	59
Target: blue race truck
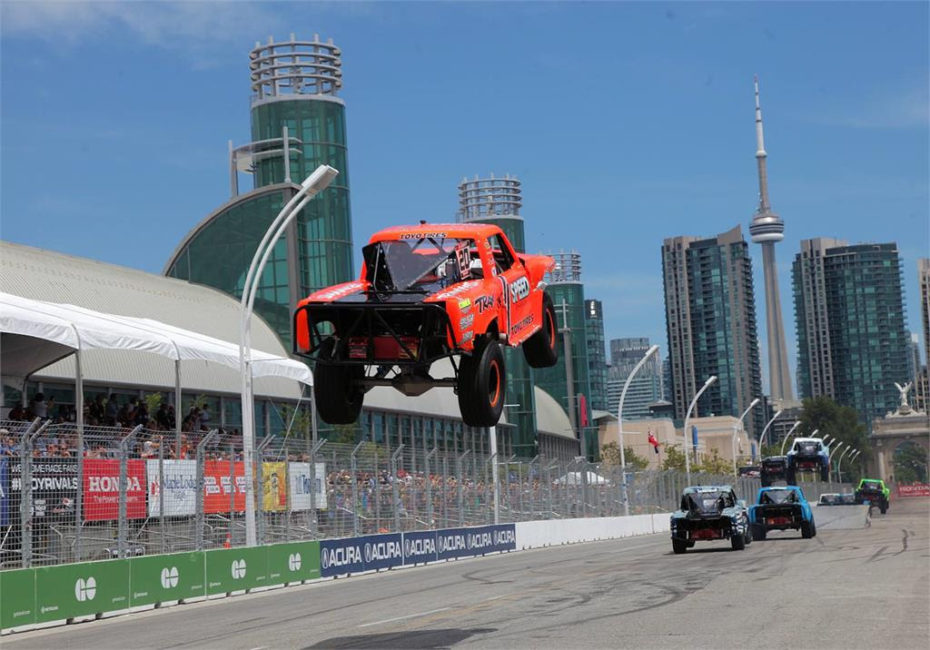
781	508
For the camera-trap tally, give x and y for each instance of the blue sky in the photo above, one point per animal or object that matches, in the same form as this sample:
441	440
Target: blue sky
626	122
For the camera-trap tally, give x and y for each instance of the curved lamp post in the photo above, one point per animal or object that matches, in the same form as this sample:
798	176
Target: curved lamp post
710	380
766	430
651	351
839	463
316	182
835	451
739	426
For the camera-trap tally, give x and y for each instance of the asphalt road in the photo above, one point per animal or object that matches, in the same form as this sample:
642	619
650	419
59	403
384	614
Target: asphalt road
866	588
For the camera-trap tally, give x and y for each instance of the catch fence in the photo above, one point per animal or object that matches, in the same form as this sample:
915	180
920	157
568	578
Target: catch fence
132	492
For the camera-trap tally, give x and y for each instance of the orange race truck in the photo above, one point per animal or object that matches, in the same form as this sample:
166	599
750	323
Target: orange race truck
428	292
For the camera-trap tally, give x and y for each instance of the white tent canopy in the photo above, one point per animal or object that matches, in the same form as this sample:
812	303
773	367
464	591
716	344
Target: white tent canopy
60	328
576	478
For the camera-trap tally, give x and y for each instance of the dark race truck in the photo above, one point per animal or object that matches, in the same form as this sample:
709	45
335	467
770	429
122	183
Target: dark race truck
808	455
707	513
873	492
774	468
781	508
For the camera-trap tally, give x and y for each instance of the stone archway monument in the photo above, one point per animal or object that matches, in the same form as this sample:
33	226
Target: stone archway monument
905	425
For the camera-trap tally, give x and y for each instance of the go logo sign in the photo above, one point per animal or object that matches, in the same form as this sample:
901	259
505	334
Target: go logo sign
293	561
85	590
169	577
238	569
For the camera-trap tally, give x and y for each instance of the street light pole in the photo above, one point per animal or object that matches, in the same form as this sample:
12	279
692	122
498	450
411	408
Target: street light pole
651	351
316	182
833	455
766	429
710	380
839	464
739	426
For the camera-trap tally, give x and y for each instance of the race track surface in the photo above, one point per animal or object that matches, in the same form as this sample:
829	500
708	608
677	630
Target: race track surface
867	588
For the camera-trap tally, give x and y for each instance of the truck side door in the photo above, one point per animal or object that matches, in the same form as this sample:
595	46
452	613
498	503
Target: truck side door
516	290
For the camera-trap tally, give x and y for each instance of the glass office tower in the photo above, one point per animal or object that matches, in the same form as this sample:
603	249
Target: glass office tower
498	201
297	123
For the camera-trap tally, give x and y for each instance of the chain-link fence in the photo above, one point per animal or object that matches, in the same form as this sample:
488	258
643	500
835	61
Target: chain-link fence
129	492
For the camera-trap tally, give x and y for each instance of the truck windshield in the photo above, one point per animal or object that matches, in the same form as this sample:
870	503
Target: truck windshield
405	263
778	496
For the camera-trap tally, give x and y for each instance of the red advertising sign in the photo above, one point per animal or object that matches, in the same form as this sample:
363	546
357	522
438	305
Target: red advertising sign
101	489
217	486
914	490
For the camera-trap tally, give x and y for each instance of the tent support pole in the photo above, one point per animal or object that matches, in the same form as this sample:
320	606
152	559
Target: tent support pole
79	493
177	408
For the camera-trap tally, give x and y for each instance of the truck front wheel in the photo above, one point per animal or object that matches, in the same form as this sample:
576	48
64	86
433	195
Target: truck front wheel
337	389
540	349
679	545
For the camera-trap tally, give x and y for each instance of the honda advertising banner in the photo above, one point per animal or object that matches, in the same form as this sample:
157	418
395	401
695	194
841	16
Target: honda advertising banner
218	485
357	554
914	490
274	487
54	488
299	483
180	487
101	489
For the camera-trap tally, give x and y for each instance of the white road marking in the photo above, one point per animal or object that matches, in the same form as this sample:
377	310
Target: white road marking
402	618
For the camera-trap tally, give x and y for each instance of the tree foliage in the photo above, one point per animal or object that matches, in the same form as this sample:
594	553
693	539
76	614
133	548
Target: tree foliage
674	458
910	463
841	422
610	455
714	463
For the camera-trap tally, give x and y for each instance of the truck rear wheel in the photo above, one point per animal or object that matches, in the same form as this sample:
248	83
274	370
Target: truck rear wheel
541	349
825	473
806	529
482	384
758	532
679	545
337	391
738	542
791	477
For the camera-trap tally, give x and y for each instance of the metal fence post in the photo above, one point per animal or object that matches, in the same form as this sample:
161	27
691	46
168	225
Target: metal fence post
395	488
260	477
287	496
25	499
314	530
445	489
161	492
460	484
355	508
429	490
199	513
123	520
232	492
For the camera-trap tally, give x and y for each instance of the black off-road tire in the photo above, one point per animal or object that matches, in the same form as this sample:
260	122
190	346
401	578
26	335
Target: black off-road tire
679	546
336	387
807	529
883	506
813	528
765	480
791	477
482	384
825	474
758	532
738	542
541	349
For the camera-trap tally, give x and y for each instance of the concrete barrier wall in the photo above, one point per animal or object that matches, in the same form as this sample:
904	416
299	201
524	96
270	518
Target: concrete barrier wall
840	517
537	534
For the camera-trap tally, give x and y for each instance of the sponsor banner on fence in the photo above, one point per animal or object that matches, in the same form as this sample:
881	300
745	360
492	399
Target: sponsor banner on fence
357	554
299	478
469	542
180	488
218	485
54	489
420	547
274	487
101	489
914	490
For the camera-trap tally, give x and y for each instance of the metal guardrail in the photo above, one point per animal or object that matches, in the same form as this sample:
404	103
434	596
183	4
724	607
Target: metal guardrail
132	492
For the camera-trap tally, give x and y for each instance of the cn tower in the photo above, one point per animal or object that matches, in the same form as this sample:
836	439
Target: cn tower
766	229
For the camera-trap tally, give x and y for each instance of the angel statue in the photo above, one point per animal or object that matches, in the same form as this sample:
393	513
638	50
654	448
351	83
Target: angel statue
903	390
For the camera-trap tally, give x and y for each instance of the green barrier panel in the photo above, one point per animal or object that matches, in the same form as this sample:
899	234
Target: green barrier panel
17	598
236	568
160	578
80	589
293	562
